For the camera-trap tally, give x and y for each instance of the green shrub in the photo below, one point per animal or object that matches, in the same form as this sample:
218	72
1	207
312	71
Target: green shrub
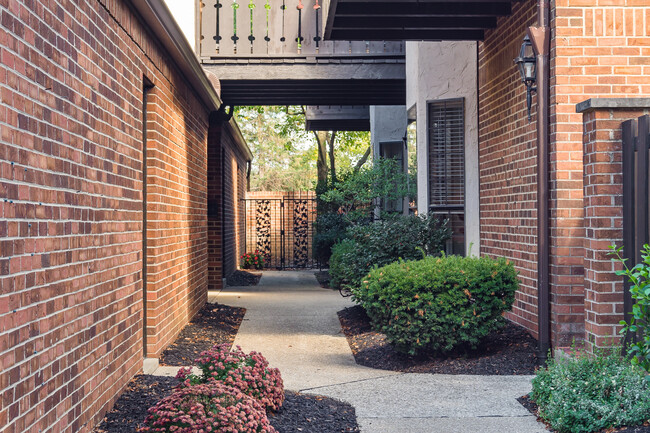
589	393
639	322
438	304
383	242
330	228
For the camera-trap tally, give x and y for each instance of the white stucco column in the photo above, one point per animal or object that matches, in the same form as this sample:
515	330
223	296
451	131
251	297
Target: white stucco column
439	71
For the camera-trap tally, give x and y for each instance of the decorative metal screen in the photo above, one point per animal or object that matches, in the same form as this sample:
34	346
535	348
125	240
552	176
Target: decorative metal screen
282	230
447	167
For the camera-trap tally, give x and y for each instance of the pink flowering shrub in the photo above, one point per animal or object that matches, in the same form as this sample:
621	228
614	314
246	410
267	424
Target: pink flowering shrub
250	374
210	407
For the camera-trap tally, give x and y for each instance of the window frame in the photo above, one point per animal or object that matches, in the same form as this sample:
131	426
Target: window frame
447	208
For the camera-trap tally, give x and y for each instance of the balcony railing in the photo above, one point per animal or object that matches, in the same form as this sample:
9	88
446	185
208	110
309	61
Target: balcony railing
275	29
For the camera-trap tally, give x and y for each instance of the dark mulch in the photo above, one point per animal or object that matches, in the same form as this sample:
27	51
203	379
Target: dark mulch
314	414
214	324
532	408
243	278
130	409
300	413
323	278
510	351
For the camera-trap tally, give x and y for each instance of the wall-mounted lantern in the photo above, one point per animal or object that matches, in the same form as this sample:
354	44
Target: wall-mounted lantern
527	65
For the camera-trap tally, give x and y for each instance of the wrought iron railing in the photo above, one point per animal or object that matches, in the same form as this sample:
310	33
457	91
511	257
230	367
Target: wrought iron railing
275	28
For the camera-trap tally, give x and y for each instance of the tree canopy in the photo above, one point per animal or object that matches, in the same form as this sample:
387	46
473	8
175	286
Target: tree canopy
285	155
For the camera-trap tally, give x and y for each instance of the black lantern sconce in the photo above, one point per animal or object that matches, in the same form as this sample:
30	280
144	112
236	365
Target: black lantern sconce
527	65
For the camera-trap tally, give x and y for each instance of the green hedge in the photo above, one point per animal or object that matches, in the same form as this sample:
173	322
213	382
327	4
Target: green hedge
438	304
383	242
589	393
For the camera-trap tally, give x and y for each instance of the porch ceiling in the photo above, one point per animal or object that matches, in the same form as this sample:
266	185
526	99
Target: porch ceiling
413	19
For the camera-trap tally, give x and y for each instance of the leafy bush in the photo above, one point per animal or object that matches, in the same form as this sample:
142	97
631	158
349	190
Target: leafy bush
356	191
248	373
639	323
253	260
383	242
438	304
589	393
207	407
330	228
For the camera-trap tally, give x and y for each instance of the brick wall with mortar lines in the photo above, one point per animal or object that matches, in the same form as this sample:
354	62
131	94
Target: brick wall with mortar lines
234	189
598	49
176	203
71	225
603	206
214	238
507	160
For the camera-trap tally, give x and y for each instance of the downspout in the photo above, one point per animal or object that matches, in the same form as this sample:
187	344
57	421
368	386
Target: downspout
540	37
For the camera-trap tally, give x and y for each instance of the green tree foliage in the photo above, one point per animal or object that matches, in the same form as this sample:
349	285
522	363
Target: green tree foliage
639	320
285	154
355	192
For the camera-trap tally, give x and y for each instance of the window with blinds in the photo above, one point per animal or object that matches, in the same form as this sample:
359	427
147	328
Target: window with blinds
446	122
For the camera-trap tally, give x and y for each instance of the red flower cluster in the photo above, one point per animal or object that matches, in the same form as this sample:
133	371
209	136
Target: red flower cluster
253	260
210	407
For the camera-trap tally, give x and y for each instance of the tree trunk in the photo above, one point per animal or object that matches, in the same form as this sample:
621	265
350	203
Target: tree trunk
321	163
332	139
363	159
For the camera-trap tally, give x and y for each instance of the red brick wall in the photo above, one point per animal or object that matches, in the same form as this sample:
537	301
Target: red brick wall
226	191
507	160
596	51
71	161
215	192
234	186
176	215
603	207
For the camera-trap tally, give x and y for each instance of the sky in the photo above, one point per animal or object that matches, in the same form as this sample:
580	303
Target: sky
183	11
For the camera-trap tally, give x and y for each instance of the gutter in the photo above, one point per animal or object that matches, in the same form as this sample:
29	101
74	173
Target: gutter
239	138
157	16
540	37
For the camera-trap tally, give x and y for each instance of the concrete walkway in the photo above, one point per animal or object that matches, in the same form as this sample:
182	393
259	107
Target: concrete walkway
293	323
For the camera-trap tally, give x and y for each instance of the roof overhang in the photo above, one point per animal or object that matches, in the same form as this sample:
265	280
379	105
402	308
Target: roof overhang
160	20
416	20
337	118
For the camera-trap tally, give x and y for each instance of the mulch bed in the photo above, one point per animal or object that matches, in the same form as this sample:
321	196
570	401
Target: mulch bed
532	408
130	409
243	278
510	351
300	413
314	414
323	278
214	324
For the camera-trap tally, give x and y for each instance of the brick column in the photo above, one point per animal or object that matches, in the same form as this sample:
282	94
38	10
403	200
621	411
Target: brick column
603	209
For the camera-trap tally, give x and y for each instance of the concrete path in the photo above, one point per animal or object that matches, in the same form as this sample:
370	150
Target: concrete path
293	323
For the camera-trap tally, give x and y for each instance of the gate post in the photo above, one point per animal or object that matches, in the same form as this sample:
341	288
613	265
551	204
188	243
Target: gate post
604	206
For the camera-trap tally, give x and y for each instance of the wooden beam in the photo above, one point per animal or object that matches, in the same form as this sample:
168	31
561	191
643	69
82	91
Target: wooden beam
413	23
448	8
407	35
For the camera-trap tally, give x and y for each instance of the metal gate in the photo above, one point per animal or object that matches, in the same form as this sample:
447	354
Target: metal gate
282	230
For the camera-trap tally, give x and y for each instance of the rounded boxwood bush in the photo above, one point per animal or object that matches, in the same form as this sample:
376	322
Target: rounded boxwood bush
250	373
207	407
438	304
